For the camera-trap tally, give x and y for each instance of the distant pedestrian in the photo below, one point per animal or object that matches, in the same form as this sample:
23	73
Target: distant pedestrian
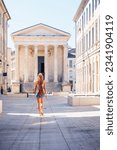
1	90
40	91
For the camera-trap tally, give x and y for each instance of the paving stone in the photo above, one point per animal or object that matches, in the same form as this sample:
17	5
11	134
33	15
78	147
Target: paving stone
5	145
25	146
54	146
62	128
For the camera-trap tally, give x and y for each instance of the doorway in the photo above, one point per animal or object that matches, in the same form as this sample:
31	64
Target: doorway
41	64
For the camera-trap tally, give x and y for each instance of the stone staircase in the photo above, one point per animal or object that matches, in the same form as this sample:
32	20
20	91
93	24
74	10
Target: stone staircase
51	87
27	87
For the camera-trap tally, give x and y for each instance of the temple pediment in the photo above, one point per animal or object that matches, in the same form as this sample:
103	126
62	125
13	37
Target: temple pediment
40	30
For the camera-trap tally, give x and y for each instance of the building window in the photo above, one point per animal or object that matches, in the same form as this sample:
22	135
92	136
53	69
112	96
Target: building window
70	63
89	11
82	45
92	36
89	39
79	47
95	4
92	7
86	15
96	31
78	27
90	76
82	22
70	74
93	76
84	19
84	42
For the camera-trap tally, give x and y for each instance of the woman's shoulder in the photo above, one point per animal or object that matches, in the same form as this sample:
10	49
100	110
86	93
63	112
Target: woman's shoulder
37	81
44	81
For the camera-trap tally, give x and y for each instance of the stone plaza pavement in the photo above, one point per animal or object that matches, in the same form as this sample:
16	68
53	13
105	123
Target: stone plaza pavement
63	127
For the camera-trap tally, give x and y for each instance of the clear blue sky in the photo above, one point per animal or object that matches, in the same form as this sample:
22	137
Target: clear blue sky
55	13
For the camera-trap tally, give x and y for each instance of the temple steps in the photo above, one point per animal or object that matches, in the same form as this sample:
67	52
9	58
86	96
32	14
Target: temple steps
51	87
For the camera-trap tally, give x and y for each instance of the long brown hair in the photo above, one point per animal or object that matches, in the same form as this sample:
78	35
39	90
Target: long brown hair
40	75
40	83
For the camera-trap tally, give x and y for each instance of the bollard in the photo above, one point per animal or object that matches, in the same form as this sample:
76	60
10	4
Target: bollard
1	90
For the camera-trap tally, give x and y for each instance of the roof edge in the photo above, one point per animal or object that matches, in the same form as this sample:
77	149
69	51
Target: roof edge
42	25
6	11
80	9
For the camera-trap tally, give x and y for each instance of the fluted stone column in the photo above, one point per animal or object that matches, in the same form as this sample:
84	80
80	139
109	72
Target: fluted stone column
46	63
55	64
16	83
36	62
26	64
16	63
65	63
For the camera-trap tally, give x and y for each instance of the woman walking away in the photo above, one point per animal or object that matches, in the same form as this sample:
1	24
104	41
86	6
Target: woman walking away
40	91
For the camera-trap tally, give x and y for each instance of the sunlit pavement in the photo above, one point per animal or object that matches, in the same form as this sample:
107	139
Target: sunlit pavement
63	127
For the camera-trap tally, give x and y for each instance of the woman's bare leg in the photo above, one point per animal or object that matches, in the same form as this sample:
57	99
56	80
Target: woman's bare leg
42	105
39	104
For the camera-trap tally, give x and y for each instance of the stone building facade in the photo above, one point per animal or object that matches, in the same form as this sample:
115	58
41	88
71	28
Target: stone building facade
12	68
71	68
87	24
4	17
9	67
39	48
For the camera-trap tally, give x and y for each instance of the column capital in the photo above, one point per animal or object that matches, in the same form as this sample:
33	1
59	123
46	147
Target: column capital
35	48
56	45
65	45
